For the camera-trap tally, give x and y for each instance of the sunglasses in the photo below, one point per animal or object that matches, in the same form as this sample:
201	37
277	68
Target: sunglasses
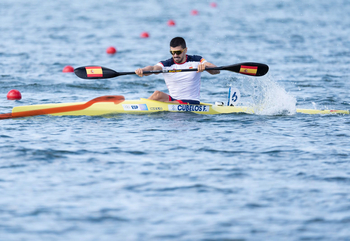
178	52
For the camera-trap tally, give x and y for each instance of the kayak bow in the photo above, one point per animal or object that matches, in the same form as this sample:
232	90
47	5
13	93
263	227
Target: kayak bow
61	109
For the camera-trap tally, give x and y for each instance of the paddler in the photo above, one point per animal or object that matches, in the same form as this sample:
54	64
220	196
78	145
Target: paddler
184	87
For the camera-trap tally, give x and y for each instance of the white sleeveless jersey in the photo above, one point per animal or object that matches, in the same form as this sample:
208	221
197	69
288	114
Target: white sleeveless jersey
183	85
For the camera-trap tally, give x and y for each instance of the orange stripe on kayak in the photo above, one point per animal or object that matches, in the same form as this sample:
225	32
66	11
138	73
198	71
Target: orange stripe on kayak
109	98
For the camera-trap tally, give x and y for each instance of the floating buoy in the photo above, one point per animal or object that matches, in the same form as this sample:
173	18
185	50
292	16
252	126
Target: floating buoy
213	4
14	95
144	35
111	50
68	69
171	22
194	12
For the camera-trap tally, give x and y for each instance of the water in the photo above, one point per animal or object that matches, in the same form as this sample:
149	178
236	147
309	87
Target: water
275	175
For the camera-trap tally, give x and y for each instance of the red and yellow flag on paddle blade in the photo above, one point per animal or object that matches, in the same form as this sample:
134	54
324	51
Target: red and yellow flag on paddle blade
251	70
94	72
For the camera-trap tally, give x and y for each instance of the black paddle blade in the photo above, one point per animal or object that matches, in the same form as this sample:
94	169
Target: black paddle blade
95	72
248	68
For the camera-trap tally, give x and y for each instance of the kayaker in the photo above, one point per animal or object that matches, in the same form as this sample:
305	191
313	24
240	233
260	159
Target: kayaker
184	87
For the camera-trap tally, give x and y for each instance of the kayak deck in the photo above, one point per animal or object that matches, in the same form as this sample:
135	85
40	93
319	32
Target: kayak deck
134	106
108	105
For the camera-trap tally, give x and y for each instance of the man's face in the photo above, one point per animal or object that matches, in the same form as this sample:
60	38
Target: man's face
179	54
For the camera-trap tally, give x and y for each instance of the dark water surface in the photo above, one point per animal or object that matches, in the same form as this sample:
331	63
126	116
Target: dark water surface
176	176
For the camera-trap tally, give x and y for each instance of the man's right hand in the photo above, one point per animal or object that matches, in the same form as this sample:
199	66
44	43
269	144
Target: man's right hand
139	72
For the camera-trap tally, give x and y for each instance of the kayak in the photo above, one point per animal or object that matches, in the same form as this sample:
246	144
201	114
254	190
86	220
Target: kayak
116	104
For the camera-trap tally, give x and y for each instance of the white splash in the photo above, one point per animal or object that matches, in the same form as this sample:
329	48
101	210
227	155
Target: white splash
266	96
314	105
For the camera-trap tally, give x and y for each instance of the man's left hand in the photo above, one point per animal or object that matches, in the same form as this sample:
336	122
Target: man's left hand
201	67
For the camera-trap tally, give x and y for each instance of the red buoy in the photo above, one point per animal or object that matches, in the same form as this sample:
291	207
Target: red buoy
213	4
144	35
171	22
14	95
111	50
68	69
194	12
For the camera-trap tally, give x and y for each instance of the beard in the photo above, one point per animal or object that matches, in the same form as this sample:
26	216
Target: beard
179	59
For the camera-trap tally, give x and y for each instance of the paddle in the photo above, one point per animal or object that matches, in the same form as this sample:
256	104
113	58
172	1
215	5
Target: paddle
98	72
53	110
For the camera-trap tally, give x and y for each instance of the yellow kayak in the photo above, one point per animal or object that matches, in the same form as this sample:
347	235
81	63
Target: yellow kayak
109	105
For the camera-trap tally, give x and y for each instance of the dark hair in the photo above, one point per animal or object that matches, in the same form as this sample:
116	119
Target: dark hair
178	41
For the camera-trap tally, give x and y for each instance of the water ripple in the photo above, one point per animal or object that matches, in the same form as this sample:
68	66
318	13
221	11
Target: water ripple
274	175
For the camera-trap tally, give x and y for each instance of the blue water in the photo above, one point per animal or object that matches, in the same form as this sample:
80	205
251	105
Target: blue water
275	175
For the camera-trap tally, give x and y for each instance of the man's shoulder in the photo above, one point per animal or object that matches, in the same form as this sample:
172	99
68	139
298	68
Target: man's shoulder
168	62
194	58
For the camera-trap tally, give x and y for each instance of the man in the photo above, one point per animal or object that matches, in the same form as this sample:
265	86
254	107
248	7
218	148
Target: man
184	87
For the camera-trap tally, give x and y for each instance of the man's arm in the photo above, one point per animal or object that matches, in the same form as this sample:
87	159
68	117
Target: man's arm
201	68
139	72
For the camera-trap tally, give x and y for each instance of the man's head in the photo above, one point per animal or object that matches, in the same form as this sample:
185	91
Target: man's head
178	49
178	41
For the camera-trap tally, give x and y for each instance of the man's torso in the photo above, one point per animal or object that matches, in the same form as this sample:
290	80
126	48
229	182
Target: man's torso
183	85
